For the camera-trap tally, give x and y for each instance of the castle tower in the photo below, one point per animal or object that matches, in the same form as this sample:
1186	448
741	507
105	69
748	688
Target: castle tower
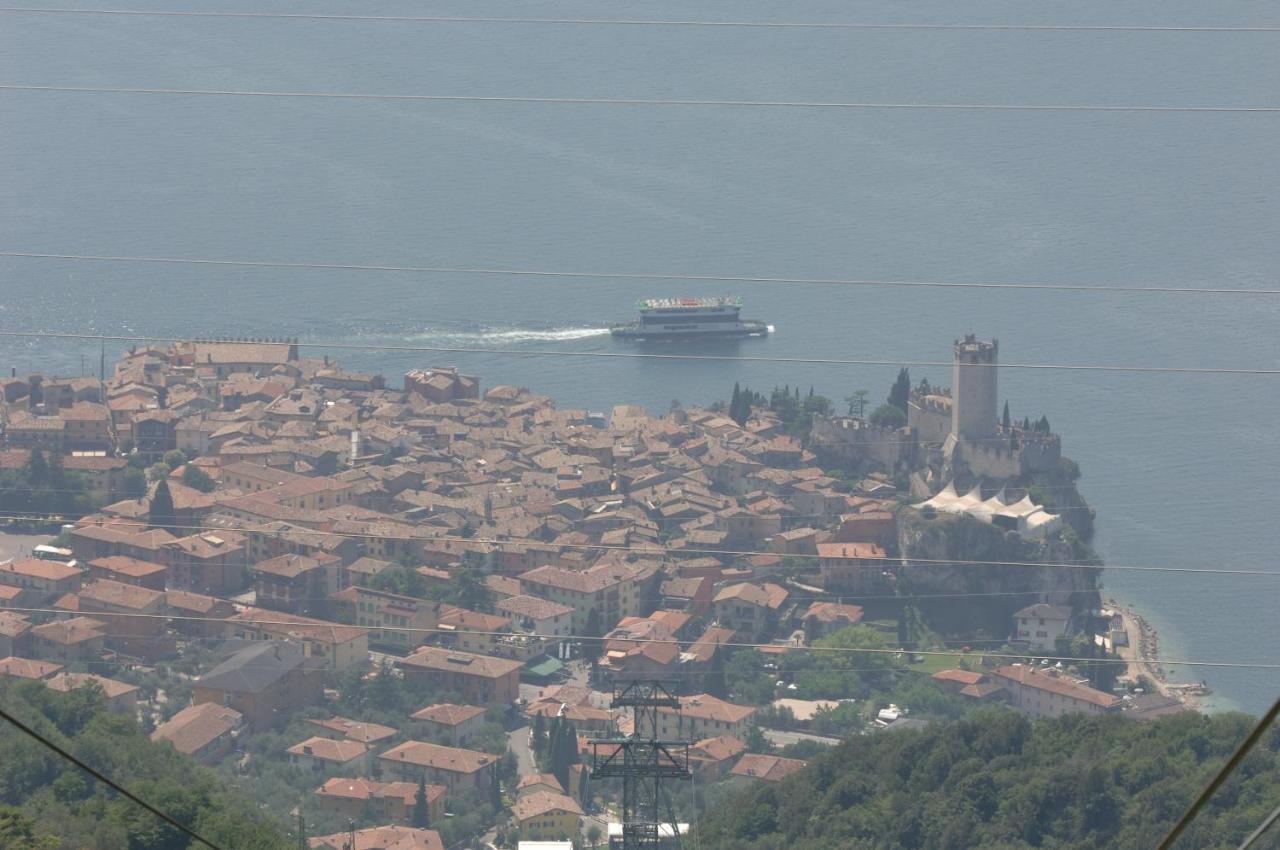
973	389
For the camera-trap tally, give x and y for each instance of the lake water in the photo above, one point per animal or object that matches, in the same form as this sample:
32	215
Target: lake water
1182	468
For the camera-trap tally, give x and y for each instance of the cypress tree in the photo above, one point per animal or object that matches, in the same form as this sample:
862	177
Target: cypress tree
421	811
1004	419
553	747
539	742
566	753
495	791
591	636
735	401
162	514
901	390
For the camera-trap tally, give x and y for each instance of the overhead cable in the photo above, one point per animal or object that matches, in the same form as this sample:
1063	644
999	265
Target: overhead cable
633	355
1262	828
106	780
298	624
633	101
691	278
1221	776
634	22
664	551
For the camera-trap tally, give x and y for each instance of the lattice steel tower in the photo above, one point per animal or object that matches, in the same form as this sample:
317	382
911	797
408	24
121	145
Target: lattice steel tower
643	761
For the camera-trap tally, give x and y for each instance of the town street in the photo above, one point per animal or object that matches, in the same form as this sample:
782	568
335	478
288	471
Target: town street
15	546
518	742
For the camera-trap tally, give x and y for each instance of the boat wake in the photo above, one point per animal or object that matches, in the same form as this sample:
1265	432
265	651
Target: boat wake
511	335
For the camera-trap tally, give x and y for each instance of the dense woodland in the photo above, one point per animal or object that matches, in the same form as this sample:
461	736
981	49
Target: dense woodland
47	803
998	781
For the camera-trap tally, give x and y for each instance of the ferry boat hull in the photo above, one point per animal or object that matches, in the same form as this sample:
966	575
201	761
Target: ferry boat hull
691	319
636	332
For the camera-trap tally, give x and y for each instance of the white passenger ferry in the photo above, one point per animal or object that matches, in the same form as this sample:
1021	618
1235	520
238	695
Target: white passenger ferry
690	318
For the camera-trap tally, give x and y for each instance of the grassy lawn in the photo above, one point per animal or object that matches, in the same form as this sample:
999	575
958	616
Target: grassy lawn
933	663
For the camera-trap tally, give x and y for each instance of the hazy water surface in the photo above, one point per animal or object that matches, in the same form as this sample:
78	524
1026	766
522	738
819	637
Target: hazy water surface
1182	468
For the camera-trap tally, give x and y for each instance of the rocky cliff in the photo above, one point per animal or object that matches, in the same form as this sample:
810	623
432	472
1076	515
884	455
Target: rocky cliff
999	577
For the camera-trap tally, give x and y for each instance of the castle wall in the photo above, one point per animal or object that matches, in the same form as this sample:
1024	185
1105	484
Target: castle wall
929	418
855	440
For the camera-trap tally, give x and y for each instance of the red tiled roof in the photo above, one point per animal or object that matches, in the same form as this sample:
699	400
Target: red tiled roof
325	749
964	677
451	759
541	803
768	768
38	568
197	725
1030	677
448	714
27	668
466	663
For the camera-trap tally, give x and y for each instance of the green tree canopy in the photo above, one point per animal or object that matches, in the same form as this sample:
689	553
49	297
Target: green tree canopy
888	416
998	780
198	479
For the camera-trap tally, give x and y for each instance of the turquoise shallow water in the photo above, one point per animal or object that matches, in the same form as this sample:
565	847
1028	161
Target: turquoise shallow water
1181	468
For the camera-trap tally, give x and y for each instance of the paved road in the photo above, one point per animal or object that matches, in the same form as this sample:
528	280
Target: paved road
782	739
518	743
14	546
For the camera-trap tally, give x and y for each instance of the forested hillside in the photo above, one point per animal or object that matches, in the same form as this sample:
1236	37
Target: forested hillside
47	803
998	781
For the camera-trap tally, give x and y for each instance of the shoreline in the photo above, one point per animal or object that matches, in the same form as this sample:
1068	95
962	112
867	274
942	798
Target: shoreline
1142	657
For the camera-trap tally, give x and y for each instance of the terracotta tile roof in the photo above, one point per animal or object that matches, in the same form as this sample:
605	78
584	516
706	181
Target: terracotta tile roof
865	551
435	658
354	730
287	566
448	714
464	619
541	803
132	567
964	677
70	632
37	568
120	595
981	690
768	768
765	595
325	749
718	749
592	580
540	780
12	625
834	612
187	602
439	757
368	789
196	725
298	626
27	668
381	838
534	607
208	544
110	687
1030	677
707	707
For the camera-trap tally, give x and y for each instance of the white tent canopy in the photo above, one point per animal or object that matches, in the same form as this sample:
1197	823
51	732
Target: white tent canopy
1024	515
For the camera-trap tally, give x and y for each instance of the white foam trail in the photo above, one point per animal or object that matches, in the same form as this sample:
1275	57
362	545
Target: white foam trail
552	335
514	335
